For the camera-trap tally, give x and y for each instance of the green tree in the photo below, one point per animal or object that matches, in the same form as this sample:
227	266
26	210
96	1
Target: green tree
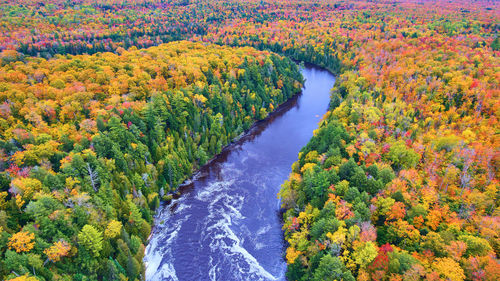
91	239
402	157
476	246
329	269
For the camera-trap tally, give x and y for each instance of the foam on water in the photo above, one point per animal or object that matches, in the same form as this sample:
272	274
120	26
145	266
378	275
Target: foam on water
230	244
166	272
263	229
255	266
205	195
224	210
259	245
181	207
166	232
212	271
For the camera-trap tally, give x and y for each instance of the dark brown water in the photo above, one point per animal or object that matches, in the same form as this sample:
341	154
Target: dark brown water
226	224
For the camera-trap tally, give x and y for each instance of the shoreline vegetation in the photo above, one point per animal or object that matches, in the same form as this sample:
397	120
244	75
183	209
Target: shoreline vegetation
399	182
96	141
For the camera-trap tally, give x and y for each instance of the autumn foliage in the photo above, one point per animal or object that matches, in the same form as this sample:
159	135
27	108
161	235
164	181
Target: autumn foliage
58	250
90	144
399	182
22	242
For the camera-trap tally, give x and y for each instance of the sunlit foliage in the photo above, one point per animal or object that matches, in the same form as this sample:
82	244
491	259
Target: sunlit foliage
399	182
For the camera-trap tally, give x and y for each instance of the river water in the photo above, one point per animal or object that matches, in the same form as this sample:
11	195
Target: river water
226	224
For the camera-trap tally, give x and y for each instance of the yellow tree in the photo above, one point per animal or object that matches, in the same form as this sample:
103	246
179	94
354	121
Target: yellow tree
22	242
58	250
24	278
113	229
449	269
365	253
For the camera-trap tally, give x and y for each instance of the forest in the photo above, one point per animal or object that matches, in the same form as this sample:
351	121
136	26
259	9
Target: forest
92	143
107	106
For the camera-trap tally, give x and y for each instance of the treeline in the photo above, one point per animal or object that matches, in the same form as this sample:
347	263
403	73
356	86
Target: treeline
91	144
89	27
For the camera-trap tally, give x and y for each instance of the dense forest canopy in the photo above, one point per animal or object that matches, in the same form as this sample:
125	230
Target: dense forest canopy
399	182
91	143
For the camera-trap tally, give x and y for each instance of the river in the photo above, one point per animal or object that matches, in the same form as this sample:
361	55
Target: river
226	223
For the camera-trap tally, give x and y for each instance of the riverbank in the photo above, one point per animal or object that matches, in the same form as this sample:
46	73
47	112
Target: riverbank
226	222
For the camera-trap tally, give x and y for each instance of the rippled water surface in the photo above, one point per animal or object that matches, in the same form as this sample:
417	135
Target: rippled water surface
226	223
